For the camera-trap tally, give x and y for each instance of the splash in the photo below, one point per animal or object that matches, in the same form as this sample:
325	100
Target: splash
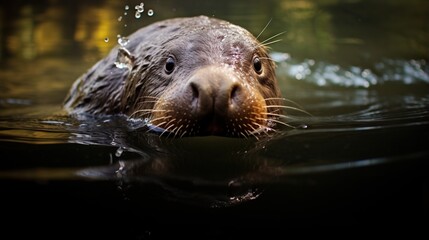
139	9
123	59
123	41
119	152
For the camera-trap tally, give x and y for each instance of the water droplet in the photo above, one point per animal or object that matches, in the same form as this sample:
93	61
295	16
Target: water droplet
119	18
139	8
121	65
121	169
127	7
303	126
106	39
125	13
138	15
119	152
118	36
150	12
122	59
123	41
125	25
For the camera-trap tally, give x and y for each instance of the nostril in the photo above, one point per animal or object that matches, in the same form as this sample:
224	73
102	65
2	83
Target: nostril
195	91
199	96
234	92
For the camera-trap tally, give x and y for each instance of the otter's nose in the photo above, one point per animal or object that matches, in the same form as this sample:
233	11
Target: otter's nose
214	93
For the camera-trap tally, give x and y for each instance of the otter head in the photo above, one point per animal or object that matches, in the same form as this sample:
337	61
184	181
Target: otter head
205	77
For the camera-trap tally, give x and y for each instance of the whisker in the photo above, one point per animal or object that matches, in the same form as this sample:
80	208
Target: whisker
289	107
264	28
272	37
168	127
162	133
161	110
244	135
157	125
269	43
183	134
279	122
178	130
267	58
147	111
133	114
144	100
276	115
157	119
253	132
265	128
167	130
281	116
172	120
161	124
172	131
275	98
143	110
152	110
286	100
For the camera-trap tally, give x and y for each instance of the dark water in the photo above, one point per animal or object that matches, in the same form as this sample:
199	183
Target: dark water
360	68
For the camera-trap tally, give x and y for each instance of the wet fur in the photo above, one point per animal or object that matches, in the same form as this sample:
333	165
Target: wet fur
107	89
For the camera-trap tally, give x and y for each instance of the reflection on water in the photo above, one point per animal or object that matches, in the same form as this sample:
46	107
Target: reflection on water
349	32
348	131
360	69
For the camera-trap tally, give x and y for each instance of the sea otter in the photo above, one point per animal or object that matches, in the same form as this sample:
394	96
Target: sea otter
192	76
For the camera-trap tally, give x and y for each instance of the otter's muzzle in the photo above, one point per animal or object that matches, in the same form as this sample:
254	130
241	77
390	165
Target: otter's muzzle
215	94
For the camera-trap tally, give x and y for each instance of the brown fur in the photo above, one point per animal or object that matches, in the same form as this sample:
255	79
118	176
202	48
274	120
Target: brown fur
145	90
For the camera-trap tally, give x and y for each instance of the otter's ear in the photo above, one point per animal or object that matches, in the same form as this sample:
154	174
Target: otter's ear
124	59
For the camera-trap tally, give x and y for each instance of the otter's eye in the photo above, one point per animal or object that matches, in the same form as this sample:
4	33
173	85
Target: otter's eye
257	65
169	65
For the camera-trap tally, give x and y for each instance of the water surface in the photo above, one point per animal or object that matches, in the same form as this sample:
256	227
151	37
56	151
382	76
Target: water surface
359	68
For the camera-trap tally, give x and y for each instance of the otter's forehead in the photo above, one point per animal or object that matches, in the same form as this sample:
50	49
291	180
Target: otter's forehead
212	28
222	42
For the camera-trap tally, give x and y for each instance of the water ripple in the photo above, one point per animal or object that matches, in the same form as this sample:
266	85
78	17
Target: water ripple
327	74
